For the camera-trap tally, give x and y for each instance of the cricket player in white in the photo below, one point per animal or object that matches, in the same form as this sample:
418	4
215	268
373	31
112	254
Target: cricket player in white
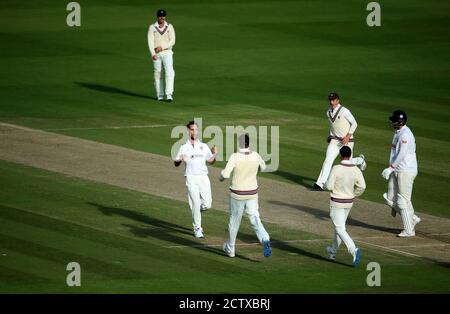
401	173
342	128
195	154
161	39
345	183
243	166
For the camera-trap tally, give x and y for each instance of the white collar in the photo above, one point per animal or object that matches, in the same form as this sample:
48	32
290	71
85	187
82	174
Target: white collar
335	108
401	129
346	162
196	142
244	150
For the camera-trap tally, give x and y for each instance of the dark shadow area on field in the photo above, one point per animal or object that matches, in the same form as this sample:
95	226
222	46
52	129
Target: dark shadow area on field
317	213
159	229
357	223
321	214
112	90
282	245
301	180
143	232
139	217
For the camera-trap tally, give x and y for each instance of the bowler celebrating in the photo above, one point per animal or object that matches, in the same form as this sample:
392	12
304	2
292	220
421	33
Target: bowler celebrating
195	154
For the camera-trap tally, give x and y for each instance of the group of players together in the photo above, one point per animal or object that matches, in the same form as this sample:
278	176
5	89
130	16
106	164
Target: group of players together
345	180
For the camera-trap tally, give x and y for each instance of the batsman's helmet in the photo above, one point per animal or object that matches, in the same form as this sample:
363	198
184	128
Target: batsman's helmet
398	118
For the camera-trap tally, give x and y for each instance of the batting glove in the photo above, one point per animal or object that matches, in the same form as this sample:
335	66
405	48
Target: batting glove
387	173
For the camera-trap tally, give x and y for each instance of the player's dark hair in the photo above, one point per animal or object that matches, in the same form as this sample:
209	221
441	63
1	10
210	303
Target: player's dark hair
345	151
191	123
244	141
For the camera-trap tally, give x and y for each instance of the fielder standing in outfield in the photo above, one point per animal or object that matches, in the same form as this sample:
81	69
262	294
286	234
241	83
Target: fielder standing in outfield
244	194
195	154
161	39
401	173
345	183
342	128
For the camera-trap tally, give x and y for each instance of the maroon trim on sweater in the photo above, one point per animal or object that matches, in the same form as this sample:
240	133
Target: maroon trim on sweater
332	119
250	192
163	31
342	200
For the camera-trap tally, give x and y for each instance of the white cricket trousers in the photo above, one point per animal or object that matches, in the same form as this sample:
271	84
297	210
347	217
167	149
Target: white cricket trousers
400	186
332	152
199	195
164	61
237	208
339	217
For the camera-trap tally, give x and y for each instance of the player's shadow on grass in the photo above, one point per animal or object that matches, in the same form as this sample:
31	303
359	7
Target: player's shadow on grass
283	245
111	90
295	178
317	213
159	229
322	214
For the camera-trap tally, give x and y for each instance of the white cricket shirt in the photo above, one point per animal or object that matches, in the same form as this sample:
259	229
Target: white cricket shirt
403	151
196	156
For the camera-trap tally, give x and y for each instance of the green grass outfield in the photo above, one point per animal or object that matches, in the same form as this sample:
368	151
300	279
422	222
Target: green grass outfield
237	63
126	241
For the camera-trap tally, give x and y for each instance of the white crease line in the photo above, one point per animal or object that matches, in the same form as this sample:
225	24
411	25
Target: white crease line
439	234
114	127
390	249
17	127
421	245
94	128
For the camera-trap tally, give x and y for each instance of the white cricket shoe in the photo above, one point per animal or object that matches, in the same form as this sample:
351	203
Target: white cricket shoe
169	98
416	220
227	250
203	208
160	98
405	234
198	233
331	254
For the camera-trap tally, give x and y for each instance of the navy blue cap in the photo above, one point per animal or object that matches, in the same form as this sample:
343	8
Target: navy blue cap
333	95
161	12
